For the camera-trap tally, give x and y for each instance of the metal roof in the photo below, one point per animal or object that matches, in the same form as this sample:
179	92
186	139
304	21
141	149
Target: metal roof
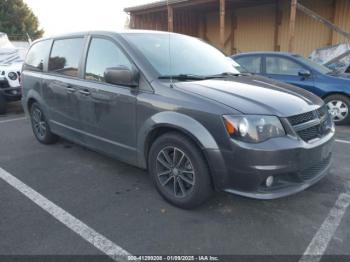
161	3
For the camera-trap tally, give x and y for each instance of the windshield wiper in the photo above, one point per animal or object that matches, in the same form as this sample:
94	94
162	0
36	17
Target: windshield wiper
222	75
198	77
182	77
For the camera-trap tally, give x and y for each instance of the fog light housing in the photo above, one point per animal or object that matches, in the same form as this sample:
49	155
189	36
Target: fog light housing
12	76
269	181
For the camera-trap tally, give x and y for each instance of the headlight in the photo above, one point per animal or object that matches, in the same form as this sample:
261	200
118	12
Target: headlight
12	76
253	128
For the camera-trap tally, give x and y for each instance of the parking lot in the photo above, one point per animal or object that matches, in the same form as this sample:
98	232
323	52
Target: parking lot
116	202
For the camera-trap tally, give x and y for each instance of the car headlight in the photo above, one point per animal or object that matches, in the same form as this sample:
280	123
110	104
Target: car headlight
12	76
253	128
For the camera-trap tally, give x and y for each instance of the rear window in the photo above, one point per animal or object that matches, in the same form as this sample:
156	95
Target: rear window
65	56
37	54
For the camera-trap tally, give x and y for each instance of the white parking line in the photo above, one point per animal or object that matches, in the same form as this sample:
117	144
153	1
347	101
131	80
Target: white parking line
324	235
12	120
99	241
342	141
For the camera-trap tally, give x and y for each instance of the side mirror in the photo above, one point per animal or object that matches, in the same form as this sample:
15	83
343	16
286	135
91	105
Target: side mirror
304	73
122	75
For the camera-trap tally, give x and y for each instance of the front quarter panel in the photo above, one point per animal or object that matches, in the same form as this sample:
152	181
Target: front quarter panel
177	121
327	85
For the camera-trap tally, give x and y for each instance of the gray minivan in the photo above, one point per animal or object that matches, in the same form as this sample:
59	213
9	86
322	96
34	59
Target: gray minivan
174	105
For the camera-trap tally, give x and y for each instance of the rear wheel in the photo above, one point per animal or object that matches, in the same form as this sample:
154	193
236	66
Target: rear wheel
40	125
339	108
179	171
2	104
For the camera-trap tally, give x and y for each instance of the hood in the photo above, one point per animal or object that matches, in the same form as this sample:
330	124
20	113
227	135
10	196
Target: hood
255	95
8	52
17	66
345	76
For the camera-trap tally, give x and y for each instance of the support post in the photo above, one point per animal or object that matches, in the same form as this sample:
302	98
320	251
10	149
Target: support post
276	46
293	13
233	29
170	19
222	24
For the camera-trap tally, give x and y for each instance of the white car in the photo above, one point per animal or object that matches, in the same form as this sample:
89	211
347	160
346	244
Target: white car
11	60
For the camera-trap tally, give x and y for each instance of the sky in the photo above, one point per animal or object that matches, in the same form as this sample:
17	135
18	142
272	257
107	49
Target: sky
65	16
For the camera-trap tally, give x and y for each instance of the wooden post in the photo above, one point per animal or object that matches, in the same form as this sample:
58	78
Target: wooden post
277	24
222	24
233	29
170	19
293	13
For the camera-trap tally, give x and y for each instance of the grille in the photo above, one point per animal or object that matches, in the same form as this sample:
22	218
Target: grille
299	119
318	130
309	133
315	170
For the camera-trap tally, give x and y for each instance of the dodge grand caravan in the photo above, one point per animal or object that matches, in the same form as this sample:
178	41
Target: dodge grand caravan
197	125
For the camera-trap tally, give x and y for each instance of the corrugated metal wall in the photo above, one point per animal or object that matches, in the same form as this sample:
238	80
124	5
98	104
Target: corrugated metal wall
254	27
342	19
309	34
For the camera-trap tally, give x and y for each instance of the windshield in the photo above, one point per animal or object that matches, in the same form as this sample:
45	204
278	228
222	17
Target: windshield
322	69
176	54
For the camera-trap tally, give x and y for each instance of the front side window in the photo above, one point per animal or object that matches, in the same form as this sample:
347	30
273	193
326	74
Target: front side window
37	54
250	63
282	66
65	56
103	54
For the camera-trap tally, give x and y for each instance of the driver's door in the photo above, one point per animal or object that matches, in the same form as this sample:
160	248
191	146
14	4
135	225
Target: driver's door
286	70
108	112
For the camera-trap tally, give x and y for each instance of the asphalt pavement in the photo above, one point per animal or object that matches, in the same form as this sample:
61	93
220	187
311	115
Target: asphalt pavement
119	202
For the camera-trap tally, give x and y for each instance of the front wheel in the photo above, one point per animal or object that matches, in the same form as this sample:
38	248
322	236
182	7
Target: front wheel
40	126
339	106
179	171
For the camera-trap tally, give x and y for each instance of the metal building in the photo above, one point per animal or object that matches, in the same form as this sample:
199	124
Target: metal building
251	25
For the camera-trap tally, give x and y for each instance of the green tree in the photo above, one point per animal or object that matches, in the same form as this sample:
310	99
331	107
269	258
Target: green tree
16	18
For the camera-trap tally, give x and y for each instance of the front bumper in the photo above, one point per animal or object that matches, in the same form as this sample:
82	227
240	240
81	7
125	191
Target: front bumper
11	93
295	165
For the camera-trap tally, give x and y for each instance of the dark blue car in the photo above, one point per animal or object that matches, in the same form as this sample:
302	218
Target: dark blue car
294	69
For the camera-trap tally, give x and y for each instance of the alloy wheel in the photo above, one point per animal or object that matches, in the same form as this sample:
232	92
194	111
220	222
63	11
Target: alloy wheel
39	123
175	172
338	109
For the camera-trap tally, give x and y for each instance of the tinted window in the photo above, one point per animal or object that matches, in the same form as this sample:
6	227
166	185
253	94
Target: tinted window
65	56
250	63
282	66
179	54
37	54
103	54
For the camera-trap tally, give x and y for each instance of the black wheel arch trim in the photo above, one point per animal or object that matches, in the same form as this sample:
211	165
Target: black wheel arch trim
177	122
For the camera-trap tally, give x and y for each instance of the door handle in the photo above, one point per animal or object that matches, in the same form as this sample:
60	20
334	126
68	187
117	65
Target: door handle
84	92
70	89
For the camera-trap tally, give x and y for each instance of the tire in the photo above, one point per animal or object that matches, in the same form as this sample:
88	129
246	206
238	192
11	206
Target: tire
339	107
193	184
3	105
40	126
